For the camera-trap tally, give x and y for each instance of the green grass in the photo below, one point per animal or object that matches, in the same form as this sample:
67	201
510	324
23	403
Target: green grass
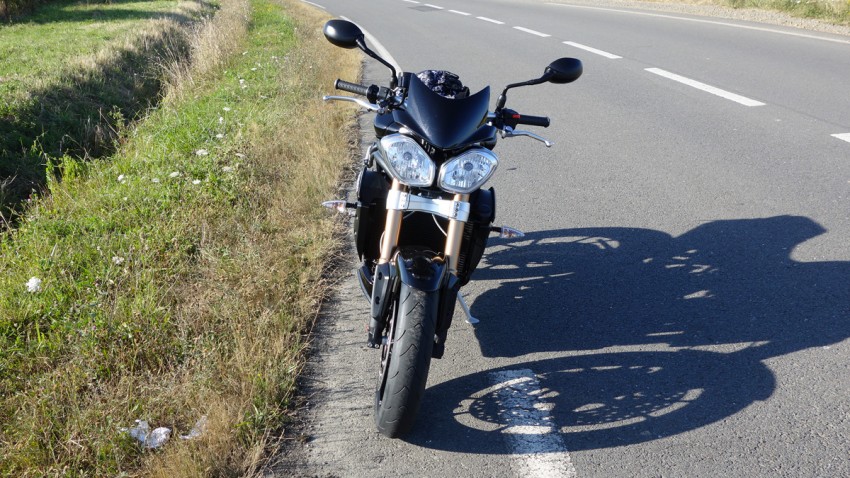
72	74
179	276
36	48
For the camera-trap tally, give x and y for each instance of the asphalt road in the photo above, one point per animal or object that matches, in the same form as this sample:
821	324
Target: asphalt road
681	303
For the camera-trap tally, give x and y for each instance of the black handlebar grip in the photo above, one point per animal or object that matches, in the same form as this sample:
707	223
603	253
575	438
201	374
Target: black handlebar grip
532	120
351	87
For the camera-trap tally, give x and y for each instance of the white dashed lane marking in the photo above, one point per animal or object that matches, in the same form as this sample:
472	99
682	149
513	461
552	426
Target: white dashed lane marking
593	50
707	88
497	22
842	136
533	32
460	13
432	6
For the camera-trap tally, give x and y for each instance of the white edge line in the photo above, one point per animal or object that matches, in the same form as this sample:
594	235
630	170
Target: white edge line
842	136
533	32
411	1
593	50
497	22
711	22
376	45
314	4
460	13
707	88
432	6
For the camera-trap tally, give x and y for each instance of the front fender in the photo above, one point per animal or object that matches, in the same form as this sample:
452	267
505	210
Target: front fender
422	270
416	268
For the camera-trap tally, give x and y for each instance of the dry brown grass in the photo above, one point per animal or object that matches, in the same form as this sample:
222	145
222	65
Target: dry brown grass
267	290
212	44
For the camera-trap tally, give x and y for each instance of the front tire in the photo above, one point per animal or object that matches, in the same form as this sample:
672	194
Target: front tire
405	360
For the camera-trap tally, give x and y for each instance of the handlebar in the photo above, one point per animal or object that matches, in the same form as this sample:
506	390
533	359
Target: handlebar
373	93
511	118
506	120
532	120
362	90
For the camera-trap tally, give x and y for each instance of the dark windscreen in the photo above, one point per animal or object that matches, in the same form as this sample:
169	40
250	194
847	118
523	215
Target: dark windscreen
443	122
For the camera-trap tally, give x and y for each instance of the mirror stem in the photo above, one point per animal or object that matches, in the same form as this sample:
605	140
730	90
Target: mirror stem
503	97
361	43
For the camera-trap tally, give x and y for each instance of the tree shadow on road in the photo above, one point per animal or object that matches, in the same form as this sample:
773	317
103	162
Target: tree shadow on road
659	335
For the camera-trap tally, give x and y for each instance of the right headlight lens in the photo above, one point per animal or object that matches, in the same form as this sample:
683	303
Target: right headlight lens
466	173
407	161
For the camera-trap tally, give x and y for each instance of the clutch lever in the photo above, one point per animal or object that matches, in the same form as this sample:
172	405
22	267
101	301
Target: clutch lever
365	104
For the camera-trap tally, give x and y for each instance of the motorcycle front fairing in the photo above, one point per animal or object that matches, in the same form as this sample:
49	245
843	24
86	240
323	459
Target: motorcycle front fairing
446	124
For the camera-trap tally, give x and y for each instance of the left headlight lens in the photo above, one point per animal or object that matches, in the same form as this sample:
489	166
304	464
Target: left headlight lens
407	161
468	172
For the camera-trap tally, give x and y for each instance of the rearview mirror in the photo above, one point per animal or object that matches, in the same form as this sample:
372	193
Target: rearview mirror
342	33
345	34
563	70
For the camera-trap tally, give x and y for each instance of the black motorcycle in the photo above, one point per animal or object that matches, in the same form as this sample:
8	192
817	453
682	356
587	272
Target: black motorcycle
422	219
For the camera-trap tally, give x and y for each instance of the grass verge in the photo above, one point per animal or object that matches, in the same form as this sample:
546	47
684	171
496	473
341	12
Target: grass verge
76	74
178	279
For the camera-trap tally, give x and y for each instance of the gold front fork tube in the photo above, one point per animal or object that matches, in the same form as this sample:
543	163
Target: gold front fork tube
391	229
454	236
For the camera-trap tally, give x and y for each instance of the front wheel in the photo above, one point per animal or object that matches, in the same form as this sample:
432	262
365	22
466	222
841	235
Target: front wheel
405	360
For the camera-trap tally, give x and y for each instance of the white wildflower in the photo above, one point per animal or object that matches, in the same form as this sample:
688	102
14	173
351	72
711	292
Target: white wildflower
117	260
155	180
227	169
253	69
202	152
121	178
220	120
196	182
226	108
219	136
175	174
34	285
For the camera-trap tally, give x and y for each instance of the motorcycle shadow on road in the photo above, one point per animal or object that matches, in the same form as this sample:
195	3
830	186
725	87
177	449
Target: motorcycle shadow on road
654	335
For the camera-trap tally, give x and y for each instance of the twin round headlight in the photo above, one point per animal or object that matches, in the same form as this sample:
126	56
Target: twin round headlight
410	164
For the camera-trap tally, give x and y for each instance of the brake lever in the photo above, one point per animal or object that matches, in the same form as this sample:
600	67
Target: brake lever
509	132
365	104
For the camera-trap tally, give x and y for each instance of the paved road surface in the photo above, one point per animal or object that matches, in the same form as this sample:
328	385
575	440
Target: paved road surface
681	304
